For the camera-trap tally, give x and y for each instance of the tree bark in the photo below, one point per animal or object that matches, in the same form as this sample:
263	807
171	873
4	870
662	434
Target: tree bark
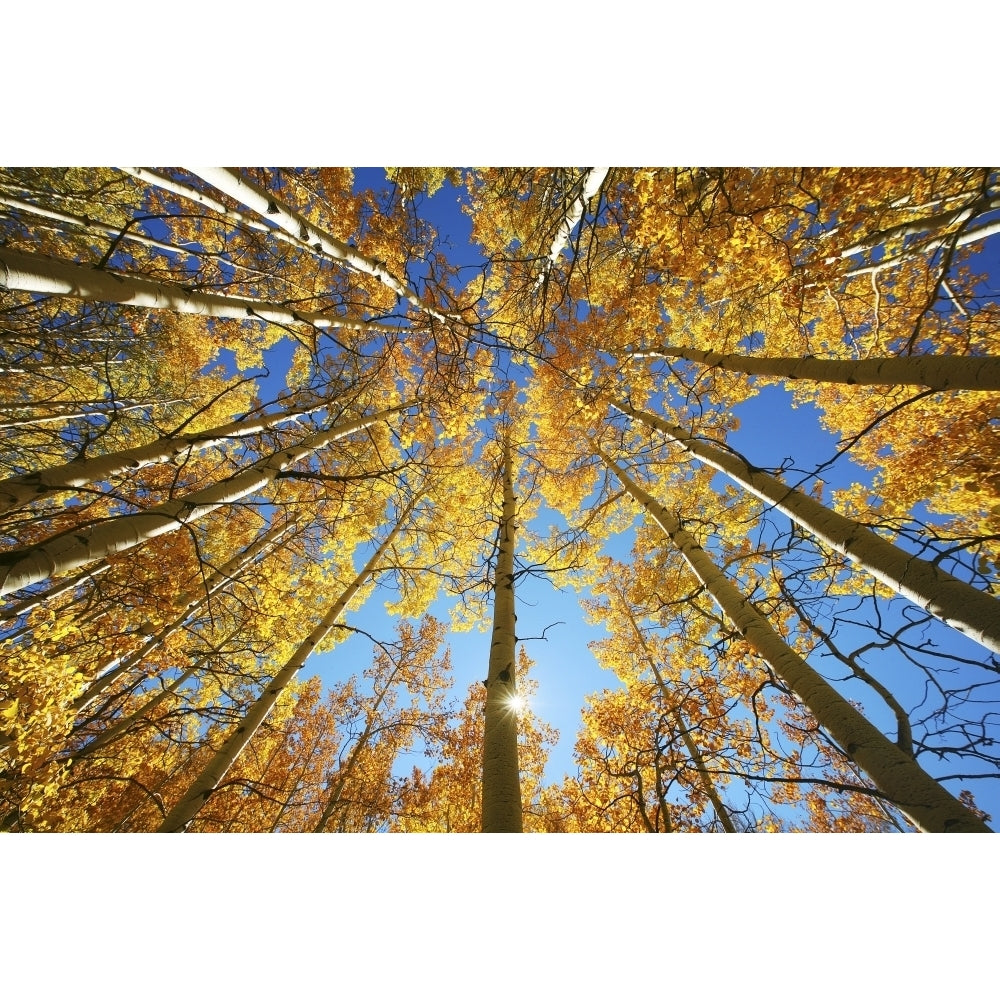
194	195
922	227
90	226
18	491
56	590
590	184
48	276
304	233
958	604
502	811
121	726
963	238
180	817
941	373
114	408
76	547
930	806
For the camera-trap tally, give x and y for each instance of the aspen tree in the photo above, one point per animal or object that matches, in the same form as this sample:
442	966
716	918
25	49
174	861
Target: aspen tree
130	297
109	672
941	372
214	772
383	722
78	547
959	604
705	779
894	773
56	590
16	491
268	205
589	184
84	223
123	725
501	774
336	789
49	276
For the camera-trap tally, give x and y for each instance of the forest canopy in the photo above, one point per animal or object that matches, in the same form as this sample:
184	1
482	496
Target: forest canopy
241	406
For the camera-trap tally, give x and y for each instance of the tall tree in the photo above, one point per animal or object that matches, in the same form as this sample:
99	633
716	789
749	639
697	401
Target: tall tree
215	770
906	785
501	773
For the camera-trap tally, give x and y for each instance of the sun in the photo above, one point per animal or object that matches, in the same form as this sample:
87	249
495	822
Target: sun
517	703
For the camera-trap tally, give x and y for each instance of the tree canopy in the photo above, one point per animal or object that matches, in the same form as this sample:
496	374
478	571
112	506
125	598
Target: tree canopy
238	405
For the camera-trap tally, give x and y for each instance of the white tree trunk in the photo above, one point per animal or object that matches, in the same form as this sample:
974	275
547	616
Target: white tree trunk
958	604
114	408
590	184
88	225
923	226
56	590
268	206
48	276
501	772
113	732
107	673
17	491
208	781
942	373
930	806
971	235
198	197
76	547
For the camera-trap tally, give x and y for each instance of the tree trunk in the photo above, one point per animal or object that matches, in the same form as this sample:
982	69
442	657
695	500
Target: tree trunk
334	795
76	547
154	179
931	807
90	226
304	233
501	773
941	373
124	724
17	491
360	743
48	276
15	611
114	408
925	226
590	184
958	604
208	781
962	238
